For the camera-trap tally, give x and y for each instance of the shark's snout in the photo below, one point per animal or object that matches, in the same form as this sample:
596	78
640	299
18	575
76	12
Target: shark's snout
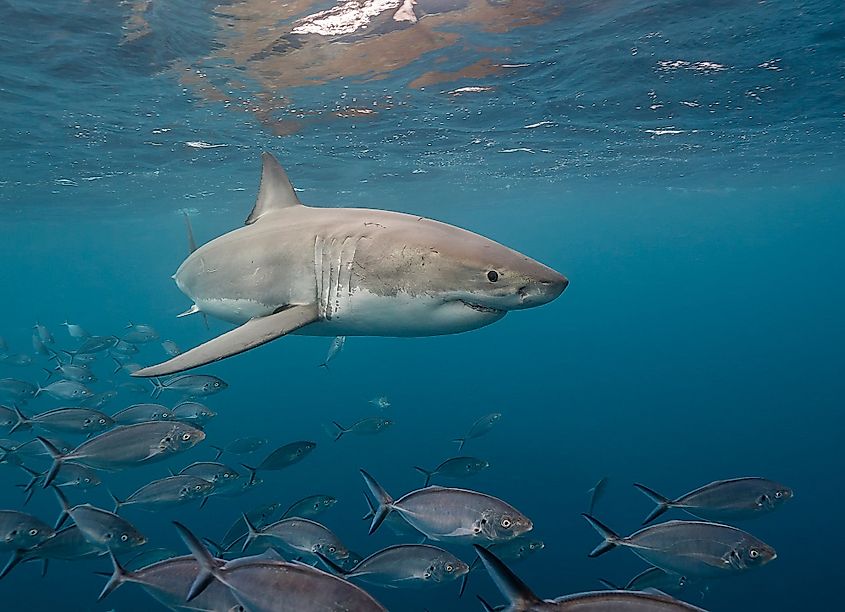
543	290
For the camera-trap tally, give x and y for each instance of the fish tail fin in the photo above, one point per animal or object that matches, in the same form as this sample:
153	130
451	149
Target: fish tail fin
65	508
425	473
118	577
252	533
372	508
609	585
460	442
219	451
158	387
340	430
663	504
22	420
334	567
117	365
49	374
487	607
118	503
58	458
516	591
208	570
384	503
17	557
611	539
70	355
253	473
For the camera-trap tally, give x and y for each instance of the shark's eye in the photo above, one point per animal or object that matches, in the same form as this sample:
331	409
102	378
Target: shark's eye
492	276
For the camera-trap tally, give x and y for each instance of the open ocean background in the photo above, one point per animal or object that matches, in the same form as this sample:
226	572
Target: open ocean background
686	175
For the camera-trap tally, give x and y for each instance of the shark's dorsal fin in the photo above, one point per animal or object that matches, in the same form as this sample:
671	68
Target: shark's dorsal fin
192	244
275	191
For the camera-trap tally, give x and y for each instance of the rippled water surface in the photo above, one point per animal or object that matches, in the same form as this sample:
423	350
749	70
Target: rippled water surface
681	163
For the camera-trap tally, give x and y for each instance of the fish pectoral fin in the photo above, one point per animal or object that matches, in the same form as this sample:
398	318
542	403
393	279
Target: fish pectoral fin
254	332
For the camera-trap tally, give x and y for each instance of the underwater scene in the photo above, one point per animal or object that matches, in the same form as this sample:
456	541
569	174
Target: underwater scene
362	305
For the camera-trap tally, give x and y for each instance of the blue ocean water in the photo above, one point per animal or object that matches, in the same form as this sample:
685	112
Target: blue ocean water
681	164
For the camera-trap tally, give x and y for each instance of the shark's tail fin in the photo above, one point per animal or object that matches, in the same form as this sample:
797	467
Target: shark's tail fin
663	503
384	503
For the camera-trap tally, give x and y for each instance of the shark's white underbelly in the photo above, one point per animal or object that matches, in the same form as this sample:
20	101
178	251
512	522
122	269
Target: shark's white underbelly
363	313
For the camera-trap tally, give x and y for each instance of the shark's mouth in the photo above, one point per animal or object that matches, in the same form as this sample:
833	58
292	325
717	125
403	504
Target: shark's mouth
480	308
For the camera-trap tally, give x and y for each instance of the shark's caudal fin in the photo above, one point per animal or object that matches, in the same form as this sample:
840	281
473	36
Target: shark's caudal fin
517	592
663	504
384	503
254	332
275	191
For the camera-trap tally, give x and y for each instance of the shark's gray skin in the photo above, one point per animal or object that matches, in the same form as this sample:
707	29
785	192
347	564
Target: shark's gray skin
348	272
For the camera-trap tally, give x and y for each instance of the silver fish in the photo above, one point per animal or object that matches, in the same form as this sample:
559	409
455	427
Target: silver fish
171	348
479	428
103	529
522	599
94	344
407	566
222	478
17	390
447	514
140	333
370	425
380	402
456	467
170	491
8	416
124	349
68	420
132	387
394	521
38	347
690	548
301	536
257	584
334	348
128	446
69	475
193	412
21	530
655	578
65	390
79	372
142	413
43	334
76	331
98	400
596	493
16	359
241	446
190	385
168	580
68	544
259	517
310	506
724	500
287	455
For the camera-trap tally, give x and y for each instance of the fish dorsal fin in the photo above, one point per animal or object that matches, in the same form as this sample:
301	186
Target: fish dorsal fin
275	192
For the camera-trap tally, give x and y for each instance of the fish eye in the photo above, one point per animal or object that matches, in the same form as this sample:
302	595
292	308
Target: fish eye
216	384
124	538
33	531
86	480
778	494
506	522
164	415
492	276
449	567
332	549
102	421
754	553
186	436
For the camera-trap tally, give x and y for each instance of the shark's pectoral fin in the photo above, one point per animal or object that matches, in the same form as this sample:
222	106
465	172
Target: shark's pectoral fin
254	332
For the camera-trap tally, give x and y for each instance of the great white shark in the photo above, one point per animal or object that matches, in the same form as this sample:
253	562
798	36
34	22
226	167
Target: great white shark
348	272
